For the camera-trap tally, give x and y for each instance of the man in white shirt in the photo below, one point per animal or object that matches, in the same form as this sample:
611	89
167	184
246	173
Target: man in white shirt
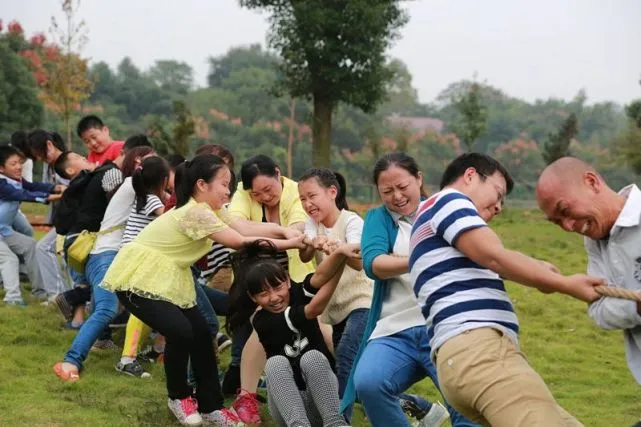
575	197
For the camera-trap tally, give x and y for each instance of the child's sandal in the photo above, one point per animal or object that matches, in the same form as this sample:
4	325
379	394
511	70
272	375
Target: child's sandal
66	376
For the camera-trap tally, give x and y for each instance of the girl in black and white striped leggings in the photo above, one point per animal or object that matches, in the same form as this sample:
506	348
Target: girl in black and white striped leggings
301	384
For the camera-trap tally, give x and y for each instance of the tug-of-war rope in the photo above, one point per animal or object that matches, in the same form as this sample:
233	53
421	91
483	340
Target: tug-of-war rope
611	291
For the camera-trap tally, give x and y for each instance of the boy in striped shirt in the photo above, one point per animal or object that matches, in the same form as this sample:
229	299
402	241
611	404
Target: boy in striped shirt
457	264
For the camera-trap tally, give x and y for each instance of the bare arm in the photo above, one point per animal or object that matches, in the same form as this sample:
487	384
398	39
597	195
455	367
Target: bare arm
307	253
234	240
388	266
484	247
264	229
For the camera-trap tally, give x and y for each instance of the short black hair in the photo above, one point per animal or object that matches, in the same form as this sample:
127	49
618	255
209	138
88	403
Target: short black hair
134	141
61	164
89	122
174	160
485	166
7	151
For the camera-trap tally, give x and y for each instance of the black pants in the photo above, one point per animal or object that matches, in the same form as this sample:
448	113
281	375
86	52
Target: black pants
187	335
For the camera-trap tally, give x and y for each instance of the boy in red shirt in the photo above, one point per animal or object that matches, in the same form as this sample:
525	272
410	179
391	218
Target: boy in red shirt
95	135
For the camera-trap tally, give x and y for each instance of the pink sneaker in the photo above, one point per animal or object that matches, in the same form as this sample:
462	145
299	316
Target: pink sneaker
186	411
223	418
246	406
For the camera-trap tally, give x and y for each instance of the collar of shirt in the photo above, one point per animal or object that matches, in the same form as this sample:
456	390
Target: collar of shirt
630	215
15	183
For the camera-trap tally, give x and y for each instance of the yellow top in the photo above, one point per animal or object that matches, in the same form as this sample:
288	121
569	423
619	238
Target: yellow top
156	264
291	212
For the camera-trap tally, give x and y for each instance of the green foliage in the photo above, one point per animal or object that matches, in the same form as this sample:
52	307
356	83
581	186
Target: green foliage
333	51
472	120
633	111
20	108
558	144
173	76
176	139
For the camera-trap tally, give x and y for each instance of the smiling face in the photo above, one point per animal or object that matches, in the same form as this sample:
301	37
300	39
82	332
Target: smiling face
576	206
96	139
318	202
266	190
12	168
273	299
399	190
216	191
487	193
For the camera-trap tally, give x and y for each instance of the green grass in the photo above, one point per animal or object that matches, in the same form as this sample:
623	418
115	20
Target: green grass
584	367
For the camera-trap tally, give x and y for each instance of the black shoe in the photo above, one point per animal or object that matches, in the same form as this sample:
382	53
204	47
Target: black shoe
223	342
231	382
149	355
133	369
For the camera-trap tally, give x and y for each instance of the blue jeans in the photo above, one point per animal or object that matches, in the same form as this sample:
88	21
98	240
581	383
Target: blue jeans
389	366
105	308
347	337
206	309
219	300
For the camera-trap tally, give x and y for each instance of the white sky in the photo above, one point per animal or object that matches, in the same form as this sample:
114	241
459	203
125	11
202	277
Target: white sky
530	49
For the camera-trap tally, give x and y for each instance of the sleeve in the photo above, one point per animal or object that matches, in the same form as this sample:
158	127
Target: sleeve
114	151
111	180
296	212
27	169
301	295
374	240
354	229
41	187
200	221
11	194
240	206
607	312
454	214
153	203
310	228
224	215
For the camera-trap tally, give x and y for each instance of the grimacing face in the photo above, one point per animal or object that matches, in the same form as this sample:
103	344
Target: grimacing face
399	190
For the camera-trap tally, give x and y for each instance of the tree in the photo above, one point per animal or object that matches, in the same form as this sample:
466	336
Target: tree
473	115
237	58
174	76
558	144
20	107
333	51
290	136
177	139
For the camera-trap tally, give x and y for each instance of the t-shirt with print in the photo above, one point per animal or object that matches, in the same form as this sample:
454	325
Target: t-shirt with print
455	293
138	220
353	229
111	153
290	333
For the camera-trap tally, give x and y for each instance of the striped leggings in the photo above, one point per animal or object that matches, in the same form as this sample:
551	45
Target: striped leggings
315	406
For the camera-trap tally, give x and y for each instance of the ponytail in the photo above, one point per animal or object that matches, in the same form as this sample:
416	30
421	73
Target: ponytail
327	178
149	178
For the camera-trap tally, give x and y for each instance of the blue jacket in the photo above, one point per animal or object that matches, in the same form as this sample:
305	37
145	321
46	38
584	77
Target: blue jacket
13	192
379	236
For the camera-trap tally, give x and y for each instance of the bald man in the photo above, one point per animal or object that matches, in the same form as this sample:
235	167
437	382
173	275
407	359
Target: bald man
576	198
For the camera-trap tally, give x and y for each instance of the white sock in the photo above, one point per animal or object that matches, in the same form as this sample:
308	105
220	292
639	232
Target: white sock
126	360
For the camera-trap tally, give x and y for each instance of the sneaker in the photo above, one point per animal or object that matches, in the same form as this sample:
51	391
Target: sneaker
223	417
414	406
246	406
63	306
223	341
120	321
150	355
16	303
133	369
186	411
101	345
436	416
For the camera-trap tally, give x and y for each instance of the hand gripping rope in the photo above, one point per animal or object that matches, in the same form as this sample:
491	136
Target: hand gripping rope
612	291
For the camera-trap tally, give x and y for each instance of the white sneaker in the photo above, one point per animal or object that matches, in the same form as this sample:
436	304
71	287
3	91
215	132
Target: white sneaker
186	411
436	416
223	417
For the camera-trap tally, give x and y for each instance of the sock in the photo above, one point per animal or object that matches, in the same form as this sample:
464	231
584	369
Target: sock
126	360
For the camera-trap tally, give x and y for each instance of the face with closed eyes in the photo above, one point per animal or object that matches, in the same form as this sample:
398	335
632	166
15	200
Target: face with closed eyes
400	190
266	190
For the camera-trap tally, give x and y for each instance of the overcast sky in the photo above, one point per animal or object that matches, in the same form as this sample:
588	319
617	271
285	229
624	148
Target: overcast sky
530	49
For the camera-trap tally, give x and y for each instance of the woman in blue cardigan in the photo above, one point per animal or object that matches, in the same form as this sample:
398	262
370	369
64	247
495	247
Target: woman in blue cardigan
395	344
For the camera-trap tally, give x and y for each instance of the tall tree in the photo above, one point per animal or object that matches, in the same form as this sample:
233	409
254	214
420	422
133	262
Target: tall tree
172	75
558	144
472	115
333	51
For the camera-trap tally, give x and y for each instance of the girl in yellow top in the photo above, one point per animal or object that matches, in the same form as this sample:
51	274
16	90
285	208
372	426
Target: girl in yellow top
152	279
264	196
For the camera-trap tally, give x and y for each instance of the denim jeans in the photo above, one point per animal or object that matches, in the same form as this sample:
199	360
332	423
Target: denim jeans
388	366
105	308
206	309
347	337
219	300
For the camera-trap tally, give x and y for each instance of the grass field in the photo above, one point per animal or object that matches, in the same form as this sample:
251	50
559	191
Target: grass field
584	367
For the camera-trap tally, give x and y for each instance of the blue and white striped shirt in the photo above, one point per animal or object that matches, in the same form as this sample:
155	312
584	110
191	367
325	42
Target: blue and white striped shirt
455	293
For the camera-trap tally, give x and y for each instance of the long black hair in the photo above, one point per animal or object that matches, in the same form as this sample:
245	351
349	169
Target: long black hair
401	160
327	178
254	267
256	166
203	166
149	178
38	138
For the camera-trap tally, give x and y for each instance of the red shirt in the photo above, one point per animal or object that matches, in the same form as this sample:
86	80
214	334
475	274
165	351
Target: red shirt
111	153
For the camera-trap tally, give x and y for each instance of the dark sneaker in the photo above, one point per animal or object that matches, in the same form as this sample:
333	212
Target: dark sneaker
63	306
150	355
103	345
223	341
414	406
133	369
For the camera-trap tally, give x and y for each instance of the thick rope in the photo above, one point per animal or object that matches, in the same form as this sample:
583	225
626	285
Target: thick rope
611	291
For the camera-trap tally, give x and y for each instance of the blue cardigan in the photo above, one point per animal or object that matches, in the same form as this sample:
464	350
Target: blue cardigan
379	235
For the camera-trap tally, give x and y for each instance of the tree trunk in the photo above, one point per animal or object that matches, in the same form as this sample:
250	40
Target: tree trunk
290	139
321	130
68	125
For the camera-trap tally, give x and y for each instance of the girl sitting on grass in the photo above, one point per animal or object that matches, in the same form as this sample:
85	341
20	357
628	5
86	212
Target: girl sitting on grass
152	278
301	386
